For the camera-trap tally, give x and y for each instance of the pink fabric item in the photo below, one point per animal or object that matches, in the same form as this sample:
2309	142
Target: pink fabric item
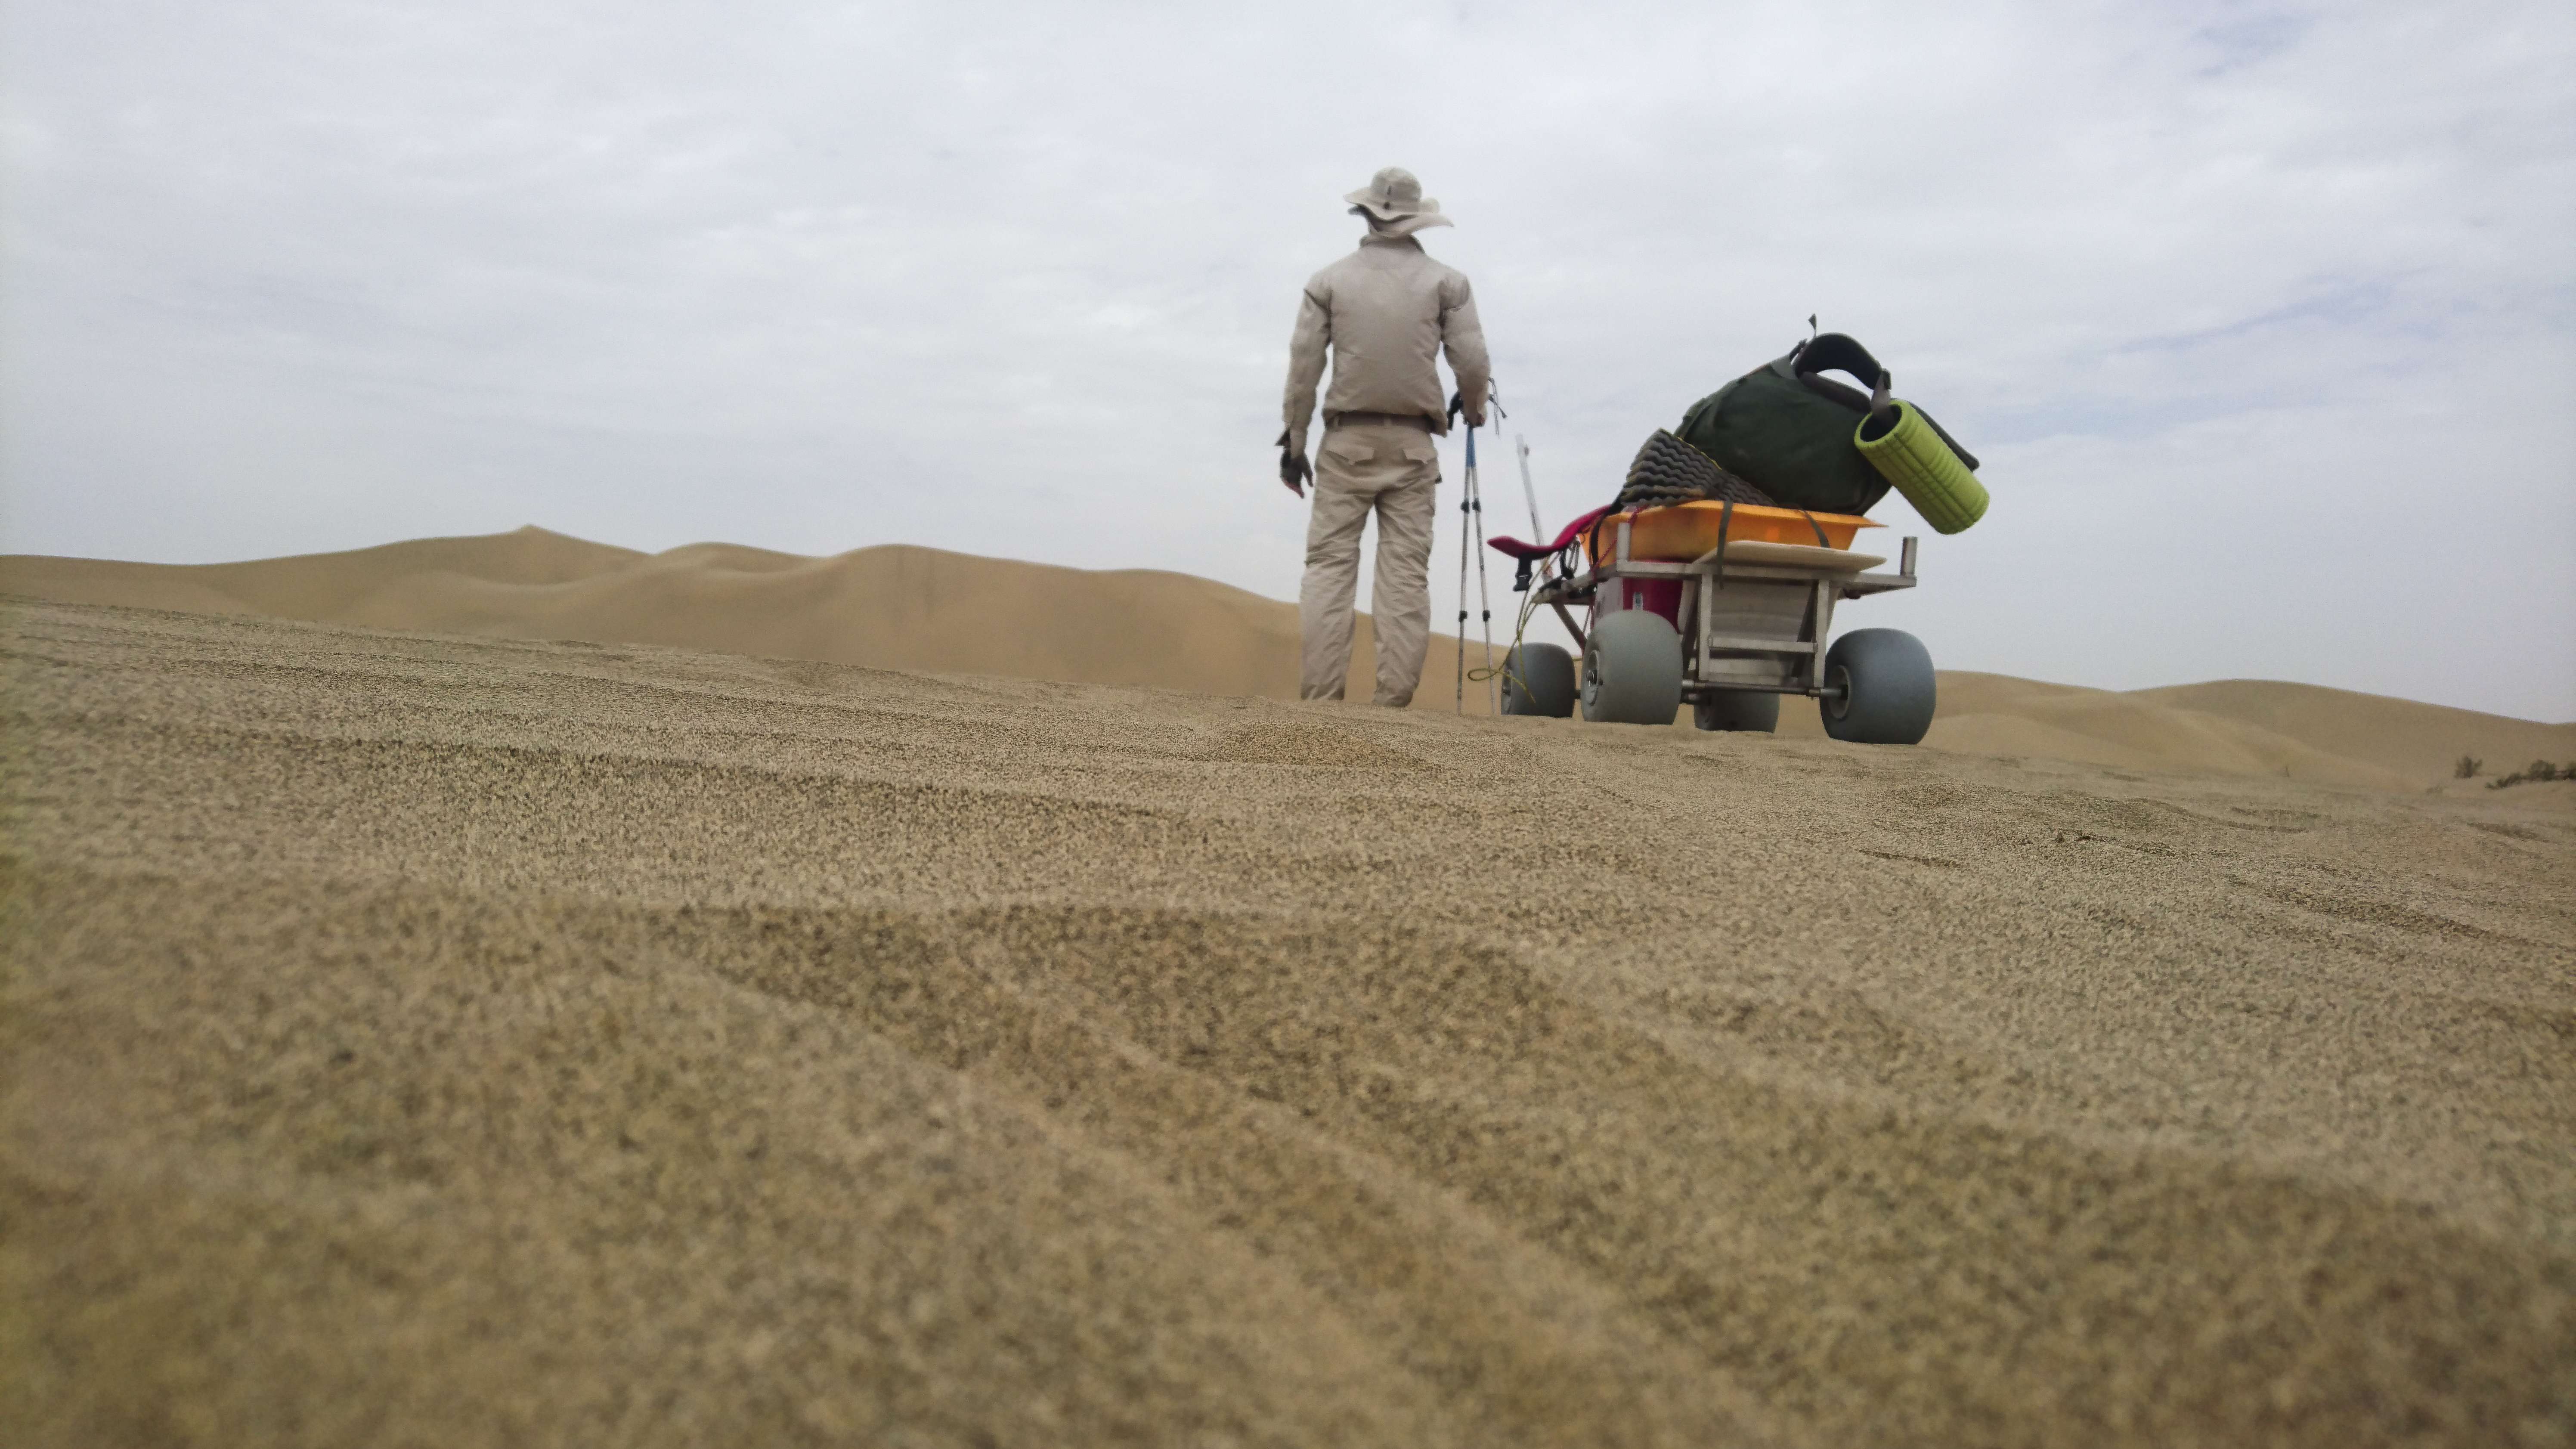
1514	548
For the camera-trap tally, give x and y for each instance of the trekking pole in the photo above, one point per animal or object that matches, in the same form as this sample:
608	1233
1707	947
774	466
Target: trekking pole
1529	490
1484	591
1471	539
1466	507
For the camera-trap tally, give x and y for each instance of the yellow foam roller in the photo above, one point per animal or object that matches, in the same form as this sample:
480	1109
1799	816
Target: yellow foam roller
1910	454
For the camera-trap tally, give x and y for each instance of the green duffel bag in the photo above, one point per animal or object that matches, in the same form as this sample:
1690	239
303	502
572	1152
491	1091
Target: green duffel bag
1789	430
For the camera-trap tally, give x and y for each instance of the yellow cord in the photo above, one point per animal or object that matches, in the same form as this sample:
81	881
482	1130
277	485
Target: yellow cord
1520	627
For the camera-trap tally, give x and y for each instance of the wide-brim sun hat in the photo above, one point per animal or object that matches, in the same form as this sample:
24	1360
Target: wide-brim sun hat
1395	194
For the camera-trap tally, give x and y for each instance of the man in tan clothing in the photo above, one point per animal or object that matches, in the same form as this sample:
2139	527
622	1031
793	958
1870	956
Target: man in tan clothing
1385	312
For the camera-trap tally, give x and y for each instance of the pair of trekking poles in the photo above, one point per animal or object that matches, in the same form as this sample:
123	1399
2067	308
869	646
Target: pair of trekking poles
1471	539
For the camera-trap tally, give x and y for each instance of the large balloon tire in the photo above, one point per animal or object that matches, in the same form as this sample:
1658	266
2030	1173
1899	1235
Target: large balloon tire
1632	669
1881	688
1538	679
1754	710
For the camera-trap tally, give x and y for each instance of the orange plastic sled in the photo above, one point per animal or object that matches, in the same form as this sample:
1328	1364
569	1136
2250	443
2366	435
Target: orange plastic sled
1681	532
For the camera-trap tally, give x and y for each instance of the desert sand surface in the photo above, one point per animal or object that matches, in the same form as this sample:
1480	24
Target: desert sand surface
424	1038
901	607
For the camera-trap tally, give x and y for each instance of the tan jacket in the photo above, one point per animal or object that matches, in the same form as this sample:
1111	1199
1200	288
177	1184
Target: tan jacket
1386	311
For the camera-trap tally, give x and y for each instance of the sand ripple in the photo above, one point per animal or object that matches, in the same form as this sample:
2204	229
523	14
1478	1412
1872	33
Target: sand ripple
501	1042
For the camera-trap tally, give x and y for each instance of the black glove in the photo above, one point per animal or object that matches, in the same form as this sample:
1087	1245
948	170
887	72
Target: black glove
1294	470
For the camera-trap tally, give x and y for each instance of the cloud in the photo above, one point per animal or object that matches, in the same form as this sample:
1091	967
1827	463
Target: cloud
1018	280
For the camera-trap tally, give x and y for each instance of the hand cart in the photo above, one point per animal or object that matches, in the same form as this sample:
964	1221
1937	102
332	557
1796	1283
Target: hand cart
1728	629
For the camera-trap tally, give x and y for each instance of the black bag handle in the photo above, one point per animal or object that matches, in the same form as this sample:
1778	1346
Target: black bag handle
1838	352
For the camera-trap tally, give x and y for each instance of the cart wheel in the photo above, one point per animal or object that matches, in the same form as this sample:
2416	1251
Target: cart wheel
1538	679
1757	710
1883	688
1632	669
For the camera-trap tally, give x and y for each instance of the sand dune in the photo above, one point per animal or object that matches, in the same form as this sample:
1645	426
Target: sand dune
899	607
424	1039
2400	735
892	607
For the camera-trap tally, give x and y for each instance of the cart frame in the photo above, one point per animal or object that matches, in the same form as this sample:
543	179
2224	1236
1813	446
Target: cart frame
1744	626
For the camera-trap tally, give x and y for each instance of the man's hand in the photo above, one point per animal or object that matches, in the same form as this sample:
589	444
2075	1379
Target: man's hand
1294	470
1458	405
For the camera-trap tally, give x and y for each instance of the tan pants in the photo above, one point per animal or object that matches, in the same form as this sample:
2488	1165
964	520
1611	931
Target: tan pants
1394	471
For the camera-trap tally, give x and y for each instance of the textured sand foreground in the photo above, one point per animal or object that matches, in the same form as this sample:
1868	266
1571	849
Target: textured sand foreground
463	1041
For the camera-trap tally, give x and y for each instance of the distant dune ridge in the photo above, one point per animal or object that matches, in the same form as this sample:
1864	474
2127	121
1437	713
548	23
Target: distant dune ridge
903	607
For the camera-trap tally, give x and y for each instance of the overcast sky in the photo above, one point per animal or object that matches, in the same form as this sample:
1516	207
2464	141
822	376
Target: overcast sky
2262	318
